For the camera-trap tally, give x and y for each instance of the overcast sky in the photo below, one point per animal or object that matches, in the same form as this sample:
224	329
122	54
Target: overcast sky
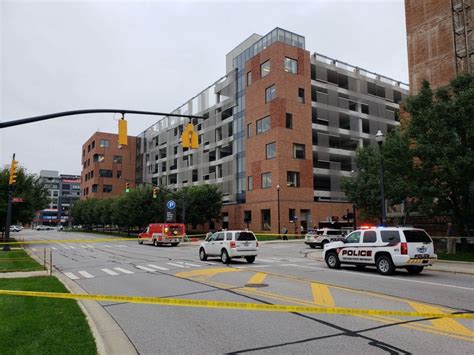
155	55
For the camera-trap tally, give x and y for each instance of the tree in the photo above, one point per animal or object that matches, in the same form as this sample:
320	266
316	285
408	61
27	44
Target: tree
28	187
203	203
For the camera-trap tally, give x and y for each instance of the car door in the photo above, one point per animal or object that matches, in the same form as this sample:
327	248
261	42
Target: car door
351	245
215	243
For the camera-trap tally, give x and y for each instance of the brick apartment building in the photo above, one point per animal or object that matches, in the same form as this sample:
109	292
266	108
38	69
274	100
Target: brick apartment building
279	133
106	167
440	40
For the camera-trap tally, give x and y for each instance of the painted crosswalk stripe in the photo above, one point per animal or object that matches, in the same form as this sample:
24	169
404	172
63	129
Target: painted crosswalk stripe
177	265
71	276
34	249
84	246
125	271
106	246
157	267
71	247
122	246
110	272
145	268
54	248
267	260
188	264
86	274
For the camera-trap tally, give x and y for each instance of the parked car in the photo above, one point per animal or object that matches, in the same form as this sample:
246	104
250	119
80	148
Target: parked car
42	227
320	237
15	229
387	248
229	245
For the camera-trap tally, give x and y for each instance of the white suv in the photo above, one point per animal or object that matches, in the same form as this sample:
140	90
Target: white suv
320	237
386	248
230	244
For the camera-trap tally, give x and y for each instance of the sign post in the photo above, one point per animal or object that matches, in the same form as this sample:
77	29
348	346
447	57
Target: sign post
170	211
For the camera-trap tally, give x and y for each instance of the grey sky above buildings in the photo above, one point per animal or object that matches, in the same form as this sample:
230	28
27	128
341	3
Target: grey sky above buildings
154	55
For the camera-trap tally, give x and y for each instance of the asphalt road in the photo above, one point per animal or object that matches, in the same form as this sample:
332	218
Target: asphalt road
281	274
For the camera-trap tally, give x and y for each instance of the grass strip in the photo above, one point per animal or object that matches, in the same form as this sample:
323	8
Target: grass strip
17	260
459	256
33	325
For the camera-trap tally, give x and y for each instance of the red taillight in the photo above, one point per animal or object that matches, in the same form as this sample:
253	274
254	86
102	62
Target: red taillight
232	244
404	248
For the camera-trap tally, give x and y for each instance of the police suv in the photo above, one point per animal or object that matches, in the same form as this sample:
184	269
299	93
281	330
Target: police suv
320	237
387	248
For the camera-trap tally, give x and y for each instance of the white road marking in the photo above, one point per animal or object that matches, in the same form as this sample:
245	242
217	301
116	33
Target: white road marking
177	265
86	274
189	264
158	267
249	267
90	246
145	268
110	272
306	267
122	246
266	260
84	246
34	249
54	248
71	247
125	271
106	246
71	276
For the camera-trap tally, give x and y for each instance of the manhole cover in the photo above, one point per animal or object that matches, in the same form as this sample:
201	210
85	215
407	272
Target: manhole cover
256	285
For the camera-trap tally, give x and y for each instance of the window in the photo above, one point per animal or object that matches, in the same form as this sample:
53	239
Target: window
88	148
220	236
301	95
195	175
266	220
91	174
365	108
250	183
247	216
107	188
298	151
245	236
291	214
266	180
370	237
354	237
93	144
105	173
293	179
94	188
249	130
98	158
270	150
83	152
249	78
228	236
104	143
55	193
289	120
265	69
270	93
416	236
119	174
392	237
263	125
352	106
291	65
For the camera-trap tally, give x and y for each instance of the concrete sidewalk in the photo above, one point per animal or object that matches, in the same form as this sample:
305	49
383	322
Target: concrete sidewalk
15	274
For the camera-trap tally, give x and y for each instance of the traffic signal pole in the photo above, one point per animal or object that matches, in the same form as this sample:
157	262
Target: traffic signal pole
6	247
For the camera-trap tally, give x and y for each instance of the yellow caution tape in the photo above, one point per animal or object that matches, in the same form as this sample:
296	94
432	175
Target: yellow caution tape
177	302
52	241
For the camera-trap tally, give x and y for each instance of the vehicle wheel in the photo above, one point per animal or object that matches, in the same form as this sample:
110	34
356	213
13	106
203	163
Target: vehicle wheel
140	241
385	265
360	267
312	246
225	257
155	243
323	244
250	259
174	244
332	260
202	254
414	269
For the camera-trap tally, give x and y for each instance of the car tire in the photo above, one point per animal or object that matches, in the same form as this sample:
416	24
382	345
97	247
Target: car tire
202	254
332	260
250	259
312	246
225	257
155	242
140	241
414	269
174	244
385	265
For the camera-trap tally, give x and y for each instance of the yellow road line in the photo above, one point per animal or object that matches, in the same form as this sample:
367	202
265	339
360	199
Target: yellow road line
257	278
322	295
203	273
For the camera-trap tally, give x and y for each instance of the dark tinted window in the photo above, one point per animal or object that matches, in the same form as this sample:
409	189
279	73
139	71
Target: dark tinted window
370	237
220	236
390	236
334	233
228	236
417	236
244	236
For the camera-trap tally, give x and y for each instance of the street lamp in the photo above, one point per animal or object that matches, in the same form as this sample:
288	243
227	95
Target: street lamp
278	204
379	137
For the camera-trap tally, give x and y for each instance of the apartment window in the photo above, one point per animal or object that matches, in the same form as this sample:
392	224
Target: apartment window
266	220
98	158
195	175
95	188
270	93
107	188
55	193
365	108
298	151
397	96
293	179
88	148
263	125
291	65
291	214
301	95
266	180
289	120
249	130
91	174
93	144
265	69
270	150
83	152
105	173
119	173
247	216
352	106
218	134
249	78
104	143
117	159
250	183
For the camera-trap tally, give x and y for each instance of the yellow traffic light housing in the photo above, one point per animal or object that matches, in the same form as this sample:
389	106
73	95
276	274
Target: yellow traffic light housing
190	137
155	192
127	187
13	172
122	131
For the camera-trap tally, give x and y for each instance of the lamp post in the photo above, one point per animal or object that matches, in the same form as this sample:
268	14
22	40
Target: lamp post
379	137
278	206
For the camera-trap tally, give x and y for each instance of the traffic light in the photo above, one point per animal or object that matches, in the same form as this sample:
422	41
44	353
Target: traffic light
122	131
13	172
127	187
155	192
189	137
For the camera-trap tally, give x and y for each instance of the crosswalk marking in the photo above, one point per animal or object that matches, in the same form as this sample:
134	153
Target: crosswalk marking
71	276
86	274
84	246
157	267
188	264
71	247
145	268
54	248
34	249
110	272
125	271
122	246
177	265
267	260
106	246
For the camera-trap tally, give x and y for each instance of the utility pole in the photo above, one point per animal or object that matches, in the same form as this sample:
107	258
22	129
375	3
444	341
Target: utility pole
11	187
